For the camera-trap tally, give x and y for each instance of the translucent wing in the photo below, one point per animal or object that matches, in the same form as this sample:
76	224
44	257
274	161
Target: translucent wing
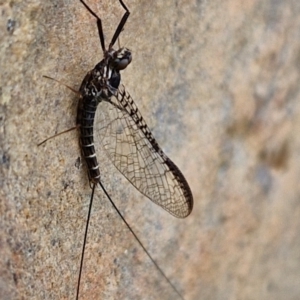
132	148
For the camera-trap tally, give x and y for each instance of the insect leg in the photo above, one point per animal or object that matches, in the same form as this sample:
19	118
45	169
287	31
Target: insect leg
121	25
99	25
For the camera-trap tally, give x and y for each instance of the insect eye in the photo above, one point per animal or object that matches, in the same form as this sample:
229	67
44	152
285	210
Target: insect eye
122	59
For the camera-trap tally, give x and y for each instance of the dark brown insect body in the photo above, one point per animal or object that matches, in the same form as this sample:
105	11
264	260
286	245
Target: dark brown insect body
118	127
100	84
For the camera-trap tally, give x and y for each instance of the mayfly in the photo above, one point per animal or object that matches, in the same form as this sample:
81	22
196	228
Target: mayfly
120	129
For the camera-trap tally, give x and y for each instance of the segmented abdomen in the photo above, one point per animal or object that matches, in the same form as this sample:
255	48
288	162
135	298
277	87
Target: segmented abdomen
85	120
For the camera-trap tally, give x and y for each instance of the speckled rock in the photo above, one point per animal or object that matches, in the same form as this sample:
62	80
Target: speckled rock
218	83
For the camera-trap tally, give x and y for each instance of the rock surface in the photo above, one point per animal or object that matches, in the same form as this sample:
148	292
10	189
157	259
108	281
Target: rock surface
218	83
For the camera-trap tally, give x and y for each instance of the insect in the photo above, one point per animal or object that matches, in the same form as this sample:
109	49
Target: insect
107	117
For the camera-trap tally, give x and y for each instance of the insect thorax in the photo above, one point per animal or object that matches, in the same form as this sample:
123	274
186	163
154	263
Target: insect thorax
104	80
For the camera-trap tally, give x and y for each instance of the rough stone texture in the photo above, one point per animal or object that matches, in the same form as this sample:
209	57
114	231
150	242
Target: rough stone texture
218	82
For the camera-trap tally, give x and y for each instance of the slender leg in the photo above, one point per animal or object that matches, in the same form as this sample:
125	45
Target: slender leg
99	25
70	129
124	6
53	136
121	24
71	89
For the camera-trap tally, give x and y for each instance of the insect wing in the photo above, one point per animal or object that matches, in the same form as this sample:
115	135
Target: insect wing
130	145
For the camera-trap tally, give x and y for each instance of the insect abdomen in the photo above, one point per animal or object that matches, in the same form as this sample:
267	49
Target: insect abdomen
85	119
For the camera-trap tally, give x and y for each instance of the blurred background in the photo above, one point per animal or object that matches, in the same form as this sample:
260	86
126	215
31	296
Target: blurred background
218	84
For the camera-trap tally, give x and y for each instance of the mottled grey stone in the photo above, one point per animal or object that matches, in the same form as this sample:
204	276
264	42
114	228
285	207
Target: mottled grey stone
218	82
